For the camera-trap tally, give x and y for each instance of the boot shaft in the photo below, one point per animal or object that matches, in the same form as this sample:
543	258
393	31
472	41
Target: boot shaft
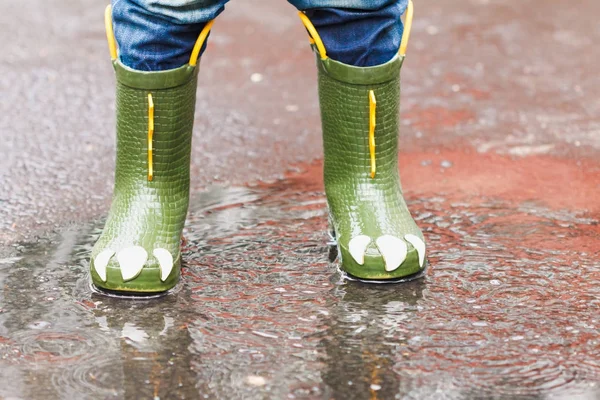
344	94
173	95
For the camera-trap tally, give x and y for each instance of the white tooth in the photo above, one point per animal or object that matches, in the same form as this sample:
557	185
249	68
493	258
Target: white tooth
132	260
165	260
358	246
393	251
419	245
101	261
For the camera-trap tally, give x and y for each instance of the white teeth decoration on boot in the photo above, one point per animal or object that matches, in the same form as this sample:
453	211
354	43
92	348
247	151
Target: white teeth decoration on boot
419	245
358	247
132	260
101	261
393	251
165	260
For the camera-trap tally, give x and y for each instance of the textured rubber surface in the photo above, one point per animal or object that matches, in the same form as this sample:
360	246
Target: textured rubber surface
359	204
150	214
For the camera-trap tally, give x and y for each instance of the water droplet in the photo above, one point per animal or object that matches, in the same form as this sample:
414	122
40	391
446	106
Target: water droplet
256	77
265	335
432	30
256	380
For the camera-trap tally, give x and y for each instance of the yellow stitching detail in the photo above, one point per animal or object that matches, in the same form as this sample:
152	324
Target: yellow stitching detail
372	117
110	35
199	42
314	35
150	136
407	28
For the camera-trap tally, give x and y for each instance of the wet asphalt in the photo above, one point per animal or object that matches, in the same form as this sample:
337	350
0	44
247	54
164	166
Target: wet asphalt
500	163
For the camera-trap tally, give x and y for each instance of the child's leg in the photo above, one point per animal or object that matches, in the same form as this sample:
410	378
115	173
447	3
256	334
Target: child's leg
357	32
359	91
156	35
156	69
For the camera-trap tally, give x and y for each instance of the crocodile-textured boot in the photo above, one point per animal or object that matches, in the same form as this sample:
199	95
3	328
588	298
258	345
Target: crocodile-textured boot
139	249
376	236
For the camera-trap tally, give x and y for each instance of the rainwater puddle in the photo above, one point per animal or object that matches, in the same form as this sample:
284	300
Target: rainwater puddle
508	309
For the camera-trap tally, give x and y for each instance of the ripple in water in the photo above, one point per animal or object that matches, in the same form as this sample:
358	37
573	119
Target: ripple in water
508	309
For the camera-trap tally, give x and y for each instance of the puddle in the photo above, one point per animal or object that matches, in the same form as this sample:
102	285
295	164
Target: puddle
508	309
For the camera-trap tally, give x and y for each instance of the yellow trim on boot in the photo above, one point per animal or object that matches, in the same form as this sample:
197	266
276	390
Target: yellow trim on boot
150	136
372	119
110	34
200	42
407	28
314	35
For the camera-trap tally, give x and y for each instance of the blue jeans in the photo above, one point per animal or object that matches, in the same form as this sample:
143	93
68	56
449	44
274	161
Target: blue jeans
155	35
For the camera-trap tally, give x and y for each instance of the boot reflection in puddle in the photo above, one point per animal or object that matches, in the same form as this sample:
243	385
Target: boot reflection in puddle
369	329
152	347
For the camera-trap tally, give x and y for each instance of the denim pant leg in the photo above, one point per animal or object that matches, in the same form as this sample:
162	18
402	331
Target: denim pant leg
357	32
155	35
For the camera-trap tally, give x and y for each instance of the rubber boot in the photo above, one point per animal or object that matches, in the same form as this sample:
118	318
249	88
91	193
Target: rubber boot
139	248
376	236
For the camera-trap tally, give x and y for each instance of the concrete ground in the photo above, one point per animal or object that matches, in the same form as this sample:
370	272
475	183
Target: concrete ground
500	161
514	81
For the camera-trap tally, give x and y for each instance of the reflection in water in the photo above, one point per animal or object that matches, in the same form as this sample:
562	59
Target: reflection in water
262	313
367	330
153	342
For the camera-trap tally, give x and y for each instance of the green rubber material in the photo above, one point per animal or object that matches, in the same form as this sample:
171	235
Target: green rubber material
150	214
359	204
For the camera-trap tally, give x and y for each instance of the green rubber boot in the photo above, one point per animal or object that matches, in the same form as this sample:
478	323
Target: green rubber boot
139	249
376	236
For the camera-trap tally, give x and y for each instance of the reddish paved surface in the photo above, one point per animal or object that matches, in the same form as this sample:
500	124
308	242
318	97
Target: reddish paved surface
483	76
500	164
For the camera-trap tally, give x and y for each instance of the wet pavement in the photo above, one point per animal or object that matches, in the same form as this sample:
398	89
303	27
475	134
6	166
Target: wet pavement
508	309
483	75
500	163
